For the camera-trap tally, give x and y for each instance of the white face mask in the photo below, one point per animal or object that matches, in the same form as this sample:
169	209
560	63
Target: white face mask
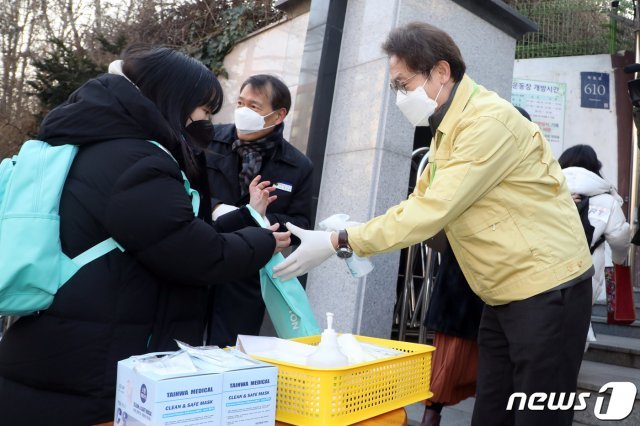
248	121
417	106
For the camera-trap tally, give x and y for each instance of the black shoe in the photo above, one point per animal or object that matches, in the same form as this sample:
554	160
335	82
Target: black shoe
430	417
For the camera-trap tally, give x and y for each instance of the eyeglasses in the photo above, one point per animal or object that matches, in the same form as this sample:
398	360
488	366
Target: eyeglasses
400	86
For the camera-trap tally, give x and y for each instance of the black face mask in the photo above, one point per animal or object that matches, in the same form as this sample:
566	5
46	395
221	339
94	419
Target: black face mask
201	132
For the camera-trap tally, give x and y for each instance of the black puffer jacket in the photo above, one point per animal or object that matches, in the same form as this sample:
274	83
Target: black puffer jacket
59	368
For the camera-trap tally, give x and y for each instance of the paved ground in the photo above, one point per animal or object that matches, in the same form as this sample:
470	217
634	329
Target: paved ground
456	415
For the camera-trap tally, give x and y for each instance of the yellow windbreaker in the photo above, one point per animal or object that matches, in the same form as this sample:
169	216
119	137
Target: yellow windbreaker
494	186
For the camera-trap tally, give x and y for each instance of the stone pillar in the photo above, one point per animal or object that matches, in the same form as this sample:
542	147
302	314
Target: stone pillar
366	169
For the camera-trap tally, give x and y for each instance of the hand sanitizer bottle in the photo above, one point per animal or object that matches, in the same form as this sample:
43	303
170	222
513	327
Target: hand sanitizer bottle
359	266
328	354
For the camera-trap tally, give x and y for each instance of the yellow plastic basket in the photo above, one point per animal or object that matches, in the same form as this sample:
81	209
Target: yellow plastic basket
340	396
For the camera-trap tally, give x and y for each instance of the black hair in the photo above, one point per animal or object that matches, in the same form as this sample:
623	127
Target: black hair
581	156
177	84
524	112
273	88
421	46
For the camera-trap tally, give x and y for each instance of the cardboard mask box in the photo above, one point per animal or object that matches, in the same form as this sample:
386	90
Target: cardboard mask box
207	396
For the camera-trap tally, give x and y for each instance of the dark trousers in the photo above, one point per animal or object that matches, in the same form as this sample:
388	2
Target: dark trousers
532	345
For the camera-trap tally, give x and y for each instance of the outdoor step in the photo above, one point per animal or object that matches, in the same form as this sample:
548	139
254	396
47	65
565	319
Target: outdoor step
600	326
616	350
600	309
593	375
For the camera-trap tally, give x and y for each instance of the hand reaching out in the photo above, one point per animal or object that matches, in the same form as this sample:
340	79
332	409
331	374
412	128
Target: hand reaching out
260	195
283	239
315	248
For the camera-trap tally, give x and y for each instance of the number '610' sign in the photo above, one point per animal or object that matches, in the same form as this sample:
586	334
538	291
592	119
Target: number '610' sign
595	90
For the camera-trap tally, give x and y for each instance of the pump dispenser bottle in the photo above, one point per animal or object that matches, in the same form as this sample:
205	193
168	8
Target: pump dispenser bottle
328	354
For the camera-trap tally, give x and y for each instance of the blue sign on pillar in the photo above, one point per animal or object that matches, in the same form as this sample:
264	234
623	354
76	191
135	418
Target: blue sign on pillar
595	90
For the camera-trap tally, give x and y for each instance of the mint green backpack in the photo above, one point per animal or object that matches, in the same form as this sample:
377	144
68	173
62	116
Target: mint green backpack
32	264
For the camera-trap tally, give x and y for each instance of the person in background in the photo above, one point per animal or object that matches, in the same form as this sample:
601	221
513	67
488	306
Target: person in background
494	186
454	316
59	367
253	146
524	112
581	167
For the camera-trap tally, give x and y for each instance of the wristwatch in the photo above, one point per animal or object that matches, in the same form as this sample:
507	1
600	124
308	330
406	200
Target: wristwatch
344	250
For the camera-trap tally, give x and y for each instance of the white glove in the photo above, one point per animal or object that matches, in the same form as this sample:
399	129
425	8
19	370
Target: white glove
222	209
315	247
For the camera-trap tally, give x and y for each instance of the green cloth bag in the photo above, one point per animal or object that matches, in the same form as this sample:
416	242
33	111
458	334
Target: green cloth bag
286	301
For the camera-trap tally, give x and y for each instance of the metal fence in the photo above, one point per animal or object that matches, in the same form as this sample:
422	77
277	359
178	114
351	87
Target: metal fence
574	27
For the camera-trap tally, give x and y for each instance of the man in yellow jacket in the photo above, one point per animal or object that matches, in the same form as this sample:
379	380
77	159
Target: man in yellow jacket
494	187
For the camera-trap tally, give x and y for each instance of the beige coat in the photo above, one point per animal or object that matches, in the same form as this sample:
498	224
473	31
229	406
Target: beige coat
494	186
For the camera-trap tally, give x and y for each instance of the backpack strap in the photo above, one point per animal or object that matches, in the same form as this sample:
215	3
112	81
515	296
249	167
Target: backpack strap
597	244
110	244
193	193
96	251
